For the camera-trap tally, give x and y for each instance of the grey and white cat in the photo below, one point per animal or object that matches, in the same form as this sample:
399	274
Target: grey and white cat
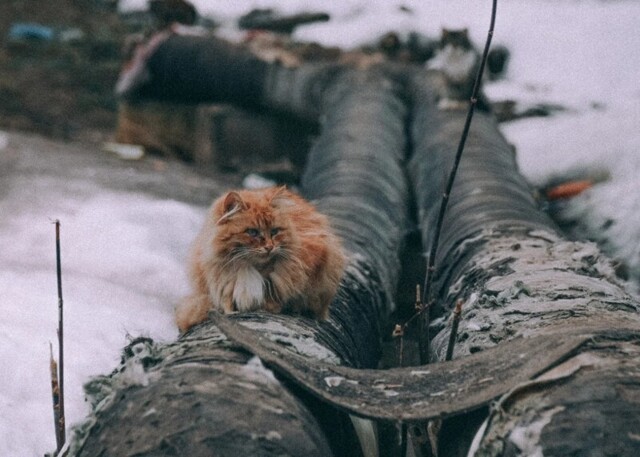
457	61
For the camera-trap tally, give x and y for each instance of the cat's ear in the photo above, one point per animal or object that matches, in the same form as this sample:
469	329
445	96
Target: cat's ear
281	197
465	32
231	204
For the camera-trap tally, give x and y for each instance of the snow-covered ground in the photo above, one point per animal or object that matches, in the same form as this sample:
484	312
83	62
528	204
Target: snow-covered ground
123	253
123	270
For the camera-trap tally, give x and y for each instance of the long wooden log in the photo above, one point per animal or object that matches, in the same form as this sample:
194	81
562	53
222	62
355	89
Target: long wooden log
498	245
191	69
517	277
532	301
203	394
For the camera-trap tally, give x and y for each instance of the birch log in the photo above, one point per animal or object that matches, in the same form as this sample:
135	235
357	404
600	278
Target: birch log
204	394
546	327
517	277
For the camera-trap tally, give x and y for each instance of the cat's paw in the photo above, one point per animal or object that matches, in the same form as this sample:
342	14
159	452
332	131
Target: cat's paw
191	311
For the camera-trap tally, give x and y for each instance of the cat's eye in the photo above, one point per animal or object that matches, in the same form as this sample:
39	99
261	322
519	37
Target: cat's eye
275	231
253	233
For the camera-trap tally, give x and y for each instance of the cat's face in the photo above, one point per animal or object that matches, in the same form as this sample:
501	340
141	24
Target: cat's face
455	38
253	227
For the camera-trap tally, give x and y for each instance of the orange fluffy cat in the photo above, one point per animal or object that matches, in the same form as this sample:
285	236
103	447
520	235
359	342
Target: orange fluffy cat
262	249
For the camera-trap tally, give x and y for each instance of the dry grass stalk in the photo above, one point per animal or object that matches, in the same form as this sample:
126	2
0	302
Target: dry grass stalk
57	371
58	419
454	330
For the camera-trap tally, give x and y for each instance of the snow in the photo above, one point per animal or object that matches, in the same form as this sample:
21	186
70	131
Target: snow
123	270
124	254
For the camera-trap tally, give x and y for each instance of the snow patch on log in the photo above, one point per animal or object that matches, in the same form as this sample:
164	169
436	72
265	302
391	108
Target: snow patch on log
255	371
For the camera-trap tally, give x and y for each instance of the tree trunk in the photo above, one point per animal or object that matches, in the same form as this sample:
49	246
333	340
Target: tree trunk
545	325
517	277
190	69
203	395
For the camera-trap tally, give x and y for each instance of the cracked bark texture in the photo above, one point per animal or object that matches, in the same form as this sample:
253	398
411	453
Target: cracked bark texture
517	277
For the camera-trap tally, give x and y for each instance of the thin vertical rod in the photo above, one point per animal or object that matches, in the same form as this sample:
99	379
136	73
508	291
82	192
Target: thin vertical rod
62	424
427	297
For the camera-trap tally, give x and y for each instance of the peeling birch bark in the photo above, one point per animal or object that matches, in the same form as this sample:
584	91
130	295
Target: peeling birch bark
518	278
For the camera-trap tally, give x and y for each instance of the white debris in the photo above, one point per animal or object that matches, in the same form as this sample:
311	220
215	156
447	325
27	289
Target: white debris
256	371
271	435
125	151
420	372
527	437
333	381
255	181
150	412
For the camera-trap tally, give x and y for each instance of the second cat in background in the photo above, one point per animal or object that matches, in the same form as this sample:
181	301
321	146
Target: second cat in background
263	249
457	61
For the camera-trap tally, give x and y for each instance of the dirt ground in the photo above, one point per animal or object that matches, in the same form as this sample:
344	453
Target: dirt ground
62	89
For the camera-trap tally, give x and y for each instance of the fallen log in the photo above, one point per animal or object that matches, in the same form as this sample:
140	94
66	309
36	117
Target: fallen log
267	19
205	69
204	394
195	69
518	278
544	321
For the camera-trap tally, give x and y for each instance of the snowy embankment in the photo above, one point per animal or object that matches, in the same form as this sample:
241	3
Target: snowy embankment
123	251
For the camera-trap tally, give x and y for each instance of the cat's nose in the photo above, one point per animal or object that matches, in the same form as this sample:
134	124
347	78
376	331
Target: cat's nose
268	247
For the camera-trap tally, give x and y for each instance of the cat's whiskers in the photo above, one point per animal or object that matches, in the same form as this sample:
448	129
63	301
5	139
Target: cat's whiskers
283	253
290	256
253	256
235	257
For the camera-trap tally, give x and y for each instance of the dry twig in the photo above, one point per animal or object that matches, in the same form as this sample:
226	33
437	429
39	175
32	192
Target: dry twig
454	330
427	298
58	392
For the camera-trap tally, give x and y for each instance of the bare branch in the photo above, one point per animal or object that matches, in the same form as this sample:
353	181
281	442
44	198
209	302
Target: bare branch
427	299
60	422
454	329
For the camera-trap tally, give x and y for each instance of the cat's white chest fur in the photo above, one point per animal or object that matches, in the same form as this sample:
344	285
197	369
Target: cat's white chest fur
248	293
456	63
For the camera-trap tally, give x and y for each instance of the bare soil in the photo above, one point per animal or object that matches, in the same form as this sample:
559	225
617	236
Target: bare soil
56	88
